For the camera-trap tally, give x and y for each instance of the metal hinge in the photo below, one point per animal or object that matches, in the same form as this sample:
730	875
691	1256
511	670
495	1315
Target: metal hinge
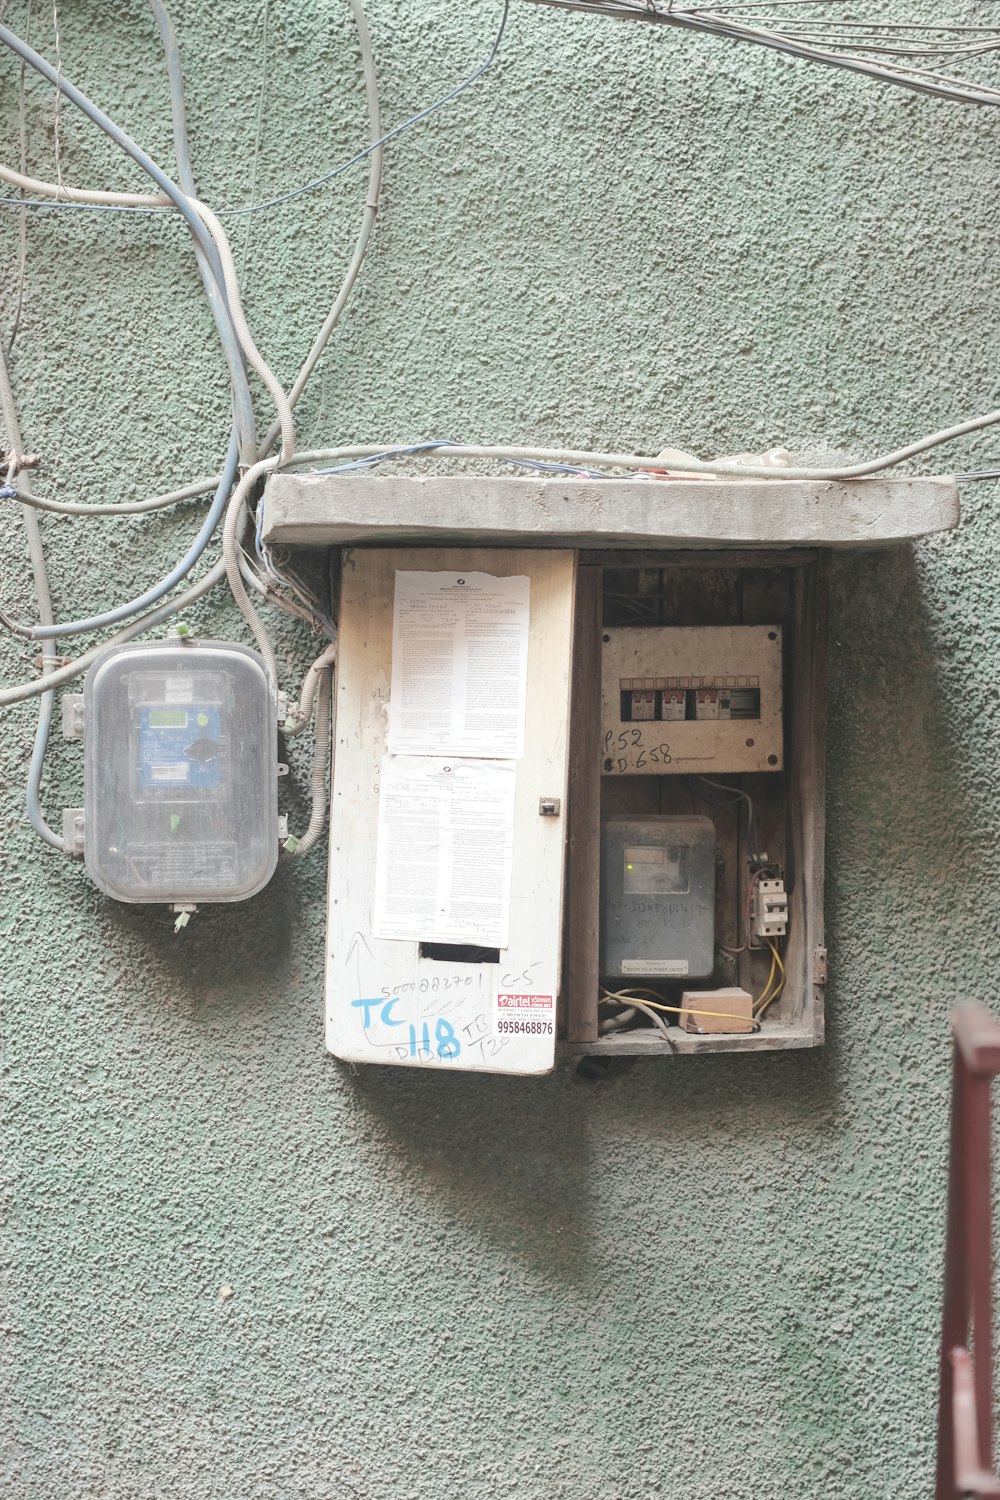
819	966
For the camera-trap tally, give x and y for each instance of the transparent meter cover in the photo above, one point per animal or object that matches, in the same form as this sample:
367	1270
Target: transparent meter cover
658	897
181	754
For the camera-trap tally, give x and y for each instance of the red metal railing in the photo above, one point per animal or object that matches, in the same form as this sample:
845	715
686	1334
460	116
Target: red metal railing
965	1411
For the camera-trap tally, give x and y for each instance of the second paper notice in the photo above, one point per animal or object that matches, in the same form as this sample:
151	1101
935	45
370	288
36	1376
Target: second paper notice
445	850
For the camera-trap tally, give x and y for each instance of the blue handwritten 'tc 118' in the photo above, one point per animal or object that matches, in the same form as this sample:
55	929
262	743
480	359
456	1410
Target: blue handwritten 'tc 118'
448	1045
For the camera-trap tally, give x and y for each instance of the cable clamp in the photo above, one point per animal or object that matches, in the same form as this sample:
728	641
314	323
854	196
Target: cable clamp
14	462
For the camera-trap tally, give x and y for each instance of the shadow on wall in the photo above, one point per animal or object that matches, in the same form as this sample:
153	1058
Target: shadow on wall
230	963
496	1153
524	1162
909	841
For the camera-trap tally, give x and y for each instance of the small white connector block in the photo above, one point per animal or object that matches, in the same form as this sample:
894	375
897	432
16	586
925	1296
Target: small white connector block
768	911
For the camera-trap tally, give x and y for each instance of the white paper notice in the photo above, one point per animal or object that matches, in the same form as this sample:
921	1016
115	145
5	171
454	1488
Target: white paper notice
445	850
459	664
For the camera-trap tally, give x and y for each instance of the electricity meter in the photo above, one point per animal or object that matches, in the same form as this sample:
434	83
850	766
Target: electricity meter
657	897
181	764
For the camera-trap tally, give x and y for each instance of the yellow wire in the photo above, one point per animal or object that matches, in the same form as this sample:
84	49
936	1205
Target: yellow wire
776	959
770	981
680	1010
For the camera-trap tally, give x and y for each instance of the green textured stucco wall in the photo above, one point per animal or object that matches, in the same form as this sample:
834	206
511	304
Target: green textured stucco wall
713	1277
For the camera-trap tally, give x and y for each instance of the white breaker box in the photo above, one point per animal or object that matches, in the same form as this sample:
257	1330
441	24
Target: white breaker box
691	701
447	832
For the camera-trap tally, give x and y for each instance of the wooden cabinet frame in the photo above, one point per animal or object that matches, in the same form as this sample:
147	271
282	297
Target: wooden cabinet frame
722	586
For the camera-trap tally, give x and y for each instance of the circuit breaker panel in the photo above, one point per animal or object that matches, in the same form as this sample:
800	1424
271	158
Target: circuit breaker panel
448	814
691	700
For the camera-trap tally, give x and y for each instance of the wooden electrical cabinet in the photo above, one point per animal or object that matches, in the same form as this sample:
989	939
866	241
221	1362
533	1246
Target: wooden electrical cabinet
678	632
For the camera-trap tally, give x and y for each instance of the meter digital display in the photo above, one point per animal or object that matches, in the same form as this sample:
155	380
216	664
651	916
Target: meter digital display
167	718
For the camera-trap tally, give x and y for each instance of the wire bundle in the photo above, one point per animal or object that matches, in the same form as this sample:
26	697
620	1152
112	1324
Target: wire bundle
260	569
928	57
896	53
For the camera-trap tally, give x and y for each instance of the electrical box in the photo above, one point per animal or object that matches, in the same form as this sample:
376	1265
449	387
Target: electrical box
180	747
698	662
680	700
657	898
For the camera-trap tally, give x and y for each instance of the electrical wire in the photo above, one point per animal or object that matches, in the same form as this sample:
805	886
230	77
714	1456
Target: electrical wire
298	718
738	794
311	613
220	270
647	1010
92	198
423	114
307	187
767	1000
209	263
243	405
43	595
747	905
55	631
321	753
367	220
216	253
575	458
116	508
22	218
791	35
770	980
627	997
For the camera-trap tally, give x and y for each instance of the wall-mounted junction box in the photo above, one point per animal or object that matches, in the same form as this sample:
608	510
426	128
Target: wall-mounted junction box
684	594
406	982
180	753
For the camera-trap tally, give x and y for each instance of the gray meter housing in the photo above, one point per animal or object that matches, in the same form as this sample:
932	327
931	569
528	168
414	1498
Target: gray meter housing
181	765
657	897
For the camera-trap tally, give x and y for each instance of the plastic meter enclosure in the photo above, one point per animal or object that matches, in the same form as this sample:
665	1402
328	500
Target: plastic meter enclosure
657	897
181	766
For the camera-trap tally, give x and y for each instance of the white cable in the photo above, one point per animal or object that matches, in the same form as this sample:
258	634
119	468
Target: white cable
321	755
231	563
299	716
367	222
121	507
242	329
253	355
81	195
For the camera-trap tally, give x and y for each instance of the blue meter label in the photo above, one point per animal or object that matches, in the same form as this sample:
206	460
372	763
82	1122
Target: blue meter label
180	747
